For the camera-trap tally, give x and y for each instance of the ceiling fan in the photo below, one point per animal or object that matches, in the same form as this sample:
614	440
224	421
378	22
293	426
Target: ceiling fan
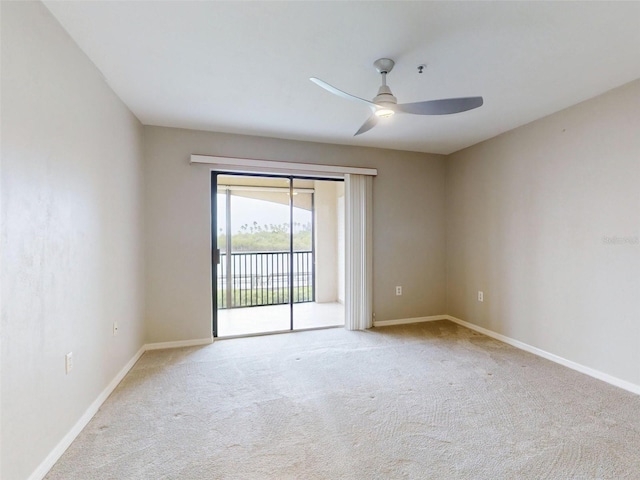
385	104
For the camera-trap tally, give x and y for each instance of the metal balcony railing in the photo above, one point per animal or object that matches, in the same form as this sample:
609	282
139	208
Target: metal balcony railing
262	278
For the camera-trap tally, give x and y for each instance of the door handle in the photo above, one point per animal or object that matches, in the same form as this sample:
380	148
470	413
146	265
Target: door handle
216	256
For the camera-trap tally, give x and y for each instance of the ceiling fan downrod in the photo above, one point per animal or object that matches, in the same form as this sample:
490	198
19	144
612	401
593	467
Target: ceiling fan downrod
385	99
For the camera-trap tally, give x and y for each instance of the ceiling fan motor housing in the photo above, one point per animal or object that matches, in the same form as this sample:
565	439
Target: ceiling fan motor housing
385	96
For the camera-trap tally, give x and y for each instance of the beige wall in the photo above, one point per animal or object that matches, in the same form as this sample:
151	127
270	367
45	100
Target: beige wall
71	235
408	224
341	240
326	241
532	220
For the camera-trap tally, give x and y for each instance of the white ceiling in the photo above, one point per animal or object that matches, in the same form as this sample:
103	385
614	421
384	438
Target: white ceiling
243	67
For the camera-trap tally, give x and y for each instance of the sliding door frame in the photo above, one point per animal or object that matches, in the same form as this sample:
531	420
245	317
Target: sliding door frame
215	251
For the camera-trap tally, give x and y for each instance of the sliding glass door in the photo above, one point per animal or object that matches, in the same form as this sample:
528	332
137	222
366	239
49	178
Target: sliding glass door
264	237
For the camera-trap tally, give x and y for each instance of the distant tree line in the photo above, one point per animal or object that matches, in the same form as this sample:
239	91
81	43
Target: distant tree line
268	238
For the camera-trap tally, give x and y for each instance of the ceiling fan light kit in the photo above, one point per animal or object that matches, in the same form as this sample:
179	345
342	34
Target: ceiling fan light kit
384	112
385	104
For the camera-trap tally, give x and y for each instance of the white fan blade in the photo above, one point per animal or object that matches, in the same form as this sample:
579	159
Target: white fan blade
445	106
340	93
371	122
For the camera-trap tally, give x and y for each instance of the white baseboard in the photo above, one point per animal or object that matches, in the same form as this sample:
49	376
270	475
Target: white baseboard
605	377
181	343
62	446
402	321
55	454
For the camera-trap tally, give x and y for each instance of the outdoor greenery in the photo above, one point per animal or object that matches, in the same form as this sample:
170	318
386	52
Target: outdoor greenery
265	296
268	238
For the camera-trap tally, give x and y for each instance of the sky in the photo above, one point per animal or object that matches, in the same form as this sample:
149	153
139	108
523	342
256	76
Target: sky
248	210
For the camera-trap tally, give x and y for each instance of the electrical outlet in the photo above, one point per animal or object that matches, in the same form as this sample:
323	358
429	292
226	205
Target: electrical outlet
115	328
480	296
398	290
68	362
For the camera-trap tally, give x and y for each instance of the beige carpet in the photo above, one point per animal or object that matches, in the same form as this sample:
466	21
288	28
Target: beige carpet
425	401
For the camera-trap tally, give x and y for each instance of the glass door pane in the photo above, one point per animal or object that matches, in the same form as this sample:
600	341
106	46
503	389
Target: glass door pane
253	276
316	254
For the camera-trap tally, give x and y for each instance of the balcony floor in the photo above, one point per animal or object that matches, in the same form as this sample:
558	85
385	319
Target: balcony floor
273	318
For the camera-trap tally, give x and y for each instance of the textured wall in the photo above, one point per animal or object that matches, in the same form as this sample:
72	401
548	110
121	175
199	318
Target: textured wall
71	235
326	241
408	224
545	219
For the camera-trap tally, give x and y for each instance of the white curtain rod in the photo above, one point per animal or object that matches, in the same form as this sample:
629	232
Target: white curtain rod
251	165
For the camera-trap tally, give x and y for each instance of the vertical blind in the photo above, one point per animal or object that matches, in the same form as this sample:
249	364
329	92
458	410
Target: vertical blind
358	298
